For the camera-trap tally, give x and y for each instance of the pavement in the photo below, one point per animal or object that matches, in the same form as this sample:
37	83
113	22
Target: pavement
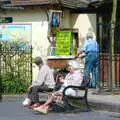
99	101
104	100
13	110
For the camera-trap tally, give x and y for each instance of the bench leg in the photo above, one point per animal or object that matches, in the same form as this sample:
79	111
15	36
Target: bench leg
87	105
68	106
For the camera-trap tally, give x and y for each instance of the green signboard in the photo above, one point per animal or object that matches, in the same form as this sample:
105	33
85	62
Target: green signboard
64	43
6	19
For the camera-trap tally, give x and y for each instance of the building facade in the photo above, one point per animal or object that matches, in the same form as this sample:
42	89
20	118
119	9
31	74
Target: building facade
36	15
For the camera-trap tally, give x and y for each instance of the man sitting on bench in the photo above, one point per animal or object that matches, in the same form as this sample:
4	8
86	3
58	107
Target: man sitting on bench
74	77
44	82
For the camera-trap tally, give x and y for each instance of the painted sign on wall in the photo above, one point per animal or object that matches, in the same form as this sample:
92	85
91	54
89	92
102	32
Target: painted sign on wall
15	32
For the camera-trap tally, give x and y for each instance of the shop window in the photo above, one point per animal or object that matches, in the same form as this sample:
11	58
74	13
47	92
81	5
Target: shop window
64	43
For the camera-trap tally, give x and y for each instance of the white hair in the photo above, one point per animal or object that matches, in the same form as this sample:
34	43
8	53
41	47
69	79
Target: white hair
74	63
89	35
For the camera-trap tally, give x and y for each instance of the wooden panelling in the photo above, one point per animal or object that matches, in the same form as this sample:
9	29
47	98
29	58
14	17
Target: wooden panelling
62	3
57	63
33	2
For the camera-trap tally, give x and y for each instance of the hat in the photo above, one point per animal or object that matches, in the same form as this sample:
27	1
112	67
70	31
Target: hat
74	63
38	60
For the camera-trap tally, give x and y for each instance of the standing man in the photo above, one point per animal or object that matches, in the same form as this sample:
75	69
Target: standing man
44	82
90	49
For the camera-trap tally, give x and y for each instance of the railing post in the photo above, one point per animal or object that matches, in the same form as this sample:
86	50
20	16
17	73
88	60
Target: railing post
31	63
0	75
110	61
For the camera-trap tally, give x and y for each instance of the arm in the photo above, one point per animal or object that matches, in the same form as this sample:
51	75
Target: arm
83	49
80	52
49	39
74	79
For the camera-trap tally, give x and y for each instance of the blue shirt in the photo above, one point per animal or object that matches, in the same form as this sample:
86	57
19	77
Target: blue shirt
90	45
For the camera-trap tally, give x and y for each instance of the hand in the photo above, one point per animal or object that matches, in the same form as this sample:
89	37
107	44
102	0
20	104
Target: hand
82	55
61	80
76	57
29	87
58	93
79	53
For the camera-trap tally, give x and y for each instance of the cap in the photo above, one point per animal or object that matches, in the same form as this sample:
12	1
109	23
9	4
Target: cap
38	60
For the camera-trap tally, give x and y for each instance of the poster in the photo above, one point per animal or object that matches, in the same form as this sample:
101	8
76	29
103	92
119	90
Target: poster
15	32
64	43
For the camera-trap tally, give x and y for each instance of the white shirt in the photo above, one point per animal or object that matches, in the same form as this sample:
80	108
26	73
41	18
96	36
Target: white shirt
45	76
74	79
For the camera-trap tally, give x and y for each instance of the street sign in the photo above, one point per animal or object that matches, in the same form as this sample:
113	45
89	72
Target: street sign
6	19
5	1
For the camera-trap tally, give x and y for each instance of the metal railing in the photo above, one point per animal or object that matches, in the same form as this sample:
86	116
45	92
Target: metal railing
53	51
109	56
106	82
15	66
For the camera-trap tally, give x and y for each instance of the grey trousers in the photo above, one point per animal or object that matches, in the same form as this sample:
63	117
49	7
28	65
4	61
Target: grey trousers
33	93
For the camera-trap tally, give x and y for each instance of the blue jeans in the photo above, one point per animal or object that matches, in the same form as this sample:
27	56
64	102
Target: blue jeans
91	66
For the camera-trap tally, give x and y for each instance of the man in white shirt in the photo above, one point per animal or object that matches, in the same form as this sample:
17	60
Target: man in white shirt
44	82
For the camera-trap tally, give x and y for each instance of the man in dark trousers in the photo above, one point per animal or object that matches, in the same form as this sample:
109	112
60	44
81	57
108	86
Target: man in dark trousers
90	49
44	82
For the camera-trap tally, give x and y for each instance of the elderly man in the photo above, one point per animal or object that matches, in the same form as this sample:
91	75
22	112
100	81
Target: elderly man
91	50
44	82
74	77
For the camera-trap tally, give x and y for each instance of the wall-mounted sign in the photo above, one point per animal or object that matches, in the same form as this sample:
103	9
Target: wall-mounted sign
6	19
15	32
5	1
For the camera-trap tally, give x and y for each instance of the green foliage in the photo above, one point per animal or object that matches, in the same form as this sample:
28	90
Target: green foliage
13	84
15	68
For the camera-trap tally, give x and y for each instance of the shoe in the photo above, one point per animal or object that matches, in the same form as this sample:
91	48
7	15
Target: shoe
26	102
41	110
29	106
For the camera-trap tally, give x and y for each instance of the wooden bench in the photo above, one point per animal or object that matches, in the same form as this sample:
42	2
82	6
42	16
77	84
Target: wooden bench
74	103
